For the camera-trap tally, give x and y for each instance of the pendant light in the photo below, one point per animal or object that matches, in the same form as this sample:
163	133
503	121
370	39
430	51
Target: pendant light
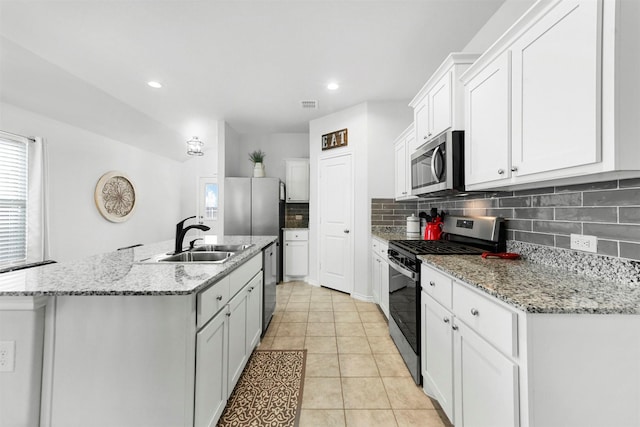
194	147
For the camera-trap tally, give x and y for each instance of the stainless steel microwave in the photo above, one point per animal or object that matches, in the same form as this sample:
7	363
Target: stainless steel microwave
437	167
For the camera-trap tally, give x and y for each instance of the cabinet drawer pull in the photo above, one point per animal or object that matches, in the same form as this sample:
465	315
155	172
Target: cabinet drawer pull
514	168
219	297
474	312
500	171
425	137
432	283
454	327
446	320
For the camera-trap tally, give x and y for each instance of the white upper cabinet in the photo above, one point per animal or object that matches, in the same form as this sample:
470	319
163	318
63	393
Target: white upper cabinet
556	90
297	180
550	100
439	104
488	131
403	164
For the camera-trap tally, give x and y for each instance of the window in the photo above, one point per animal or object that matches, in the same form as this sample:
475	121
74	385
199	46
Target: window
13	199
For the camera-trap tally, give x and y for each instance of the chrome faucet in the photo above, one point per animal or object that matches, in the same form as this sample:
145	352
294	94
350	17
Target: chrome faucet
181	231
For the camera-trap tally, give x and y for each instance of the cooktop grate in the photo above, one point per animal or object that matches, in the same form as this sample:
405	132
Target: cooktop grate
436	247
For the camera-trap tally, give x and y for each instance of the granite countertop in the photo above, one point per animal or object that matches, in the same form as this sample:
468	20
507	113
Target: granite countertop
121	273
538	288
394	235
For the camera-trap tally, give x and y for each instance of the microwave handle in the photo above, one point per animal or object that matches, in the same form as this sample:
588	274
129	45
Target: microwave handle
433	164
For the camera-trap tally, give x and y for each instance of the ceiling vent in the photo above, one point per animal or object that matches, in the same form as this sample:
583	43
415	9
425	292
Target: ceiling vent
311	104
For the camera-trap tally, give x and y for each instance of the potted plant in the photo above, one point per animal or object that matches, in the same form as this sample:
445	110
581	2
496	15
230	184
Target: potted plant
257	158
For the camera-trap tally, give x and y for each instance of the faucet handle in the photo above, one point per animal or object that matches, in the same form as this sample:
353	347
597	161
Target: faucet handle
193	242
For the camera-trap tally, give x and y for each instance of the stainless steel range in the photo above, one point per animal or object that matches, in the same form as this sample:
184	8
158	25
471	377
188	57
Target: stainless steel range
462	235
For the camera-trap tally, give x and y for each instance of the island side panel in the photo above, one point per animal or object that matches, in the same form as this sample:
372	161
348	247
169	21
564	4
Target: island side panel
122	360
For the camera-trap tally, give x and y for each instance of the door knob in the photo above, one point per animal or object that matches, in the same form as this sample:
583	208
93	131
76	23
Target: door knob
346	231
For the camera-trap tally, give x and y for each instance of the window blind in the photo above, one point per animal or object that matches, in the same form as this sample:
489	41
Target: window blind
13	201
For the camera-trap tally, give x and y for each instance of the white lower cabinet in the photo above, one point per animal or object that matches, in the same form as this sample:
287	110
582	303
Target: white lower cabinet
491	365
380	275
211	371
475	383
296	253
486	382
437	360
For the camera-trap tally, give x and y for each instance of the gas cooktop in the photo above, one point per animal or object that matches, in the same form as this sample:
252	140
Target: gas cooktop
435	247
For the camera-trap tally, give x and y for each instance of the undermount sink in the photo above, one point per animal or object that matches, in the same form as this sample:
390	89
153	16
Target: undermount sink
217	256
220	248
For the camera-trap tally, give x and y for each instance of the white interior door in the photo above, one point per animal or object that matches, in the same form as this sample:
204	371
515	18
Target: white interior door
336	220
208	203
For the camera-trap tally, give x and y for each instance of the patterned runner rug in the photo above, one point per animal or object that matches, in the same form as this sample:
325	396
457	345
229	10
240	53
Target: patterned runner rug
269	391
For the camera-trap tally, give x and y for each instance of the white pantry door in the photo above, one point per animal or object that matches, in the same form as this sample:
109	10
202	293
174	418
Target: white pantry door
208	203
336	220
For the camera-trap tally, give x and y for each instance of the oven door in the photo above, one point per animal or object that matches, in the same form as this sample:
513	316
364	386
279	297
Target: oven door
404	302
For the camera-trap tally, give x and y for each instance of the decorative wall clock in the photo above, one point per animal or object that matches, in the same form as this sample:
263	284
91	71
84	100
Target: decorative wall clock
115	196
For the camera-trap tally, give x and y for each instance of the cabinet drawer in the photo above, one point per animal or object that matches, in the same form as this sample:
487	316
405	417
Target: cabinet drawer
495	323
437	285
244	273
296	235
379	247
211	300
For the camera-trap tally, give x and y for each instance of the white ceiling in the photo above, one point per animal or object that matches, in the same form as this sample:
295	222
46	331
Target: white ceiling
249	63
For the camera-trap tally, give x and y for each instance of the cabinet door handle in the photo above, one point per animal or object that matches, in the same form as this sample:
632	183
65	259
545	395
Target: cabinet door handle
446	320
425	137
500	171
474	312
432	283
346	231
251	288
454	327
228	314
429	134
219	297
514	168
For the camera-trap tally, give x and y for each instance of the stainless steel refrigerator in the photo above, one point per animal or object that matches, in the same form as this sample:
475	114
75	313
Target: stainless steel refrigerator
255	206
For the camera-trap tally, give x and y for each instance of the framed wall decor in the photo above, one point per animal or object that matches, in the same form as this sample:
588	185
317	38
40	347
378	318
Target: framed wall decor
115	196
339	138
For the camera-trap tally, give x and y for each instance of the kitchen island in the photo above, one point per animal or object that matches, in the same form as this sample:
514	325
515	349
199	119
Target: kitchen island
112	341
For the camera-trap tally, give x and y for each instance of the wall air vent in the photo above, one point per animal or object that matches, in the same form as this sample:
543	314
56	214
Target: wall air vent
310	104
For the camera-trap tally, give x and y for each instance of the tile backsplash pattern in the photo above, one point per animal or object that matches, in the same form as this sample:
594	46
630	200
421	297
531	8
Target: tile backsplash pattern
296	209
389	213
545	216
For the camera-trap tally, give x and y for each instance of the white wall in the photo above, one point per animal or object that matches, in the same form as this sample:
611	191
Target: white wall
386	120
501	21
372	127
277	146
77	159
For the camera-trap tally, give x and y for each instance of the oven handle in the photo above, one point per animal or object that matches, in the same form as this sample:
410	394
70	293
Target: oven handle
404	271
436	176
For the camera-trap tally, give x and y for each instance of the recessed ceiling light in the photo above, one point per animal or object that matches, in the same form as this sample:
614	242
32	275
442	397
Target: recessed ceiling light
155	85
333	86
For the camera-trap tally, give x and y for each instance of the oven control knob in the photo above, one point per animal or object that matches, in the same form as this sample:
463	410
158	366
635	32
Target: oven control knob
474	312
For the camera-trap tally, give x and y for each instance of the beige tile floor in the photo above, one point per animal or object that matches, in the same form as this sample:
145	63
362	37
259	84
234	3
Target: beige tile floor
354	373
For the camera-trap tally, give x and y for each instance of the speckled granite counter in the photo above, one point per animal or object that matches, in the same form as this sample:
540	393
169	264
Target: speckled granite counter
121	273
537	288
394	235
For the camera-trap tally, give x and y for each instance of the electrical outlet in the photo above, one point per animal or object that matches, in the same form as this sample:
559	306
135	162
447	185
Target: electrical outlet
7	356
585	243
